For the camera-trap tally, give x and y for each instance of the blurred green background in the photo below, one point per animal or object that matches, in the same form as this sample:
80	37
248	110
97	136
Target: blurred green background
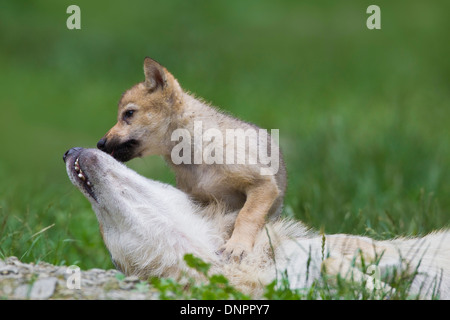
363	114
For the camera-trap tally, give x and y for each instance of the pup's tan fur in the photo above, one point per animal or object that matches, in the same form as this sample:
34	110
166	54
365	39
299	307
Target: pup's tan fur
149	226
149	113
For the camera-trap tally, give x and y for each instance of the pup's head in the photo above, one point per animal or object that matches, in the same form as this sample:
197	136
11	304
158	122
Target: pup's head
144	116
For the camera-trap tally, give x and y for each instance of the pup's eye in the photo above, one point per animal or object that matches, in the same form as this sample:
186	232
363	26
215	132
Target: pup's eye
128	114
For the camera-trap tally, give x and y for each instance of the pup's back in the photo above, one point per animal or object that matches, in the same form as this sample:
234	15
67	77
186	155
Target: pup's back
227	181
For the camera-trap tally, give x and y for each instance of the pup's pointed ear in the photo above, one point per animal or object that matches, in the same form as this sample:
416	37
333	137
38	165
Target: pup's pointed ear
155	76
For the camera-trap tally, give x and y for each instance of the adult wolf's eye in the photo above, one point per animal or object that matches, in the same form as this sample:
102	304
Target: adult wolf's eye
128	114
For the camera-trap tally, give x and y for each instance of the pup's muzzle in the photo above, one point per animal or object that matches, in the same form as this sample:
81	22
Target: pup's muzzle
121	151
101	144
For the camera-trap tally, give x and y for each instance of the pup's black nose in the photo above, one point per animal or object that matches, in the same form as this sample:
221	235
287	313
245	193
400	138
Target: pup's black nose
70	151
101	144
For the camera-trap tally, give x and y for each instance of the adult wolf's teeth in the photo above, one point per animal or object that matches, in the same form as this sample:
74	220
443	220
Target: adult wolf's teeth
80	172
76	165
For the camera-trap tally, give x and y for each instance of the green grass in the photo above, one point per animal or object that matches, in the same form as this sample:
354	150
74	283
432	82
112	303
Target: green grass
363	115
394	284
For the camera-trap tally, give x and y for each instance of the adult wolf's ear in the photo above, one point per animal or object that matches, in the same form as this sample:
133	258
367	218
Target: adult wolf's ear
155	76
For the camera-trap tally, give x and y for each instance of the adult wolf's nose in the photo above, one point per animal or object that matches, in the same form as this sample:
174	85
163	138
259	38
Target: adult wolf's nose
101	144
70	151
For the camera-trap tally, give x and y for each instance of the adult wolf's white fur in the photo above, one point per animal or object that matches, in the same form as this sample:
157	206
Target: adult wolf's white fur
149	226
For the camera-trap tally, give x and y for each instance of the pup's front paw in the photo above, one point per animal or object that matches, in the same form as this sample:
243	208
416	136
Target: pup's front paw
235	250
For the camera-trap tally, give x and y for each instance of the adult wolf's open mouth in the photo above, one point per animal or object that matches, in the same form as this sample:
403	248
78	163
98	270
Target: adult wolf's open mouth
81	175
83	178
78	174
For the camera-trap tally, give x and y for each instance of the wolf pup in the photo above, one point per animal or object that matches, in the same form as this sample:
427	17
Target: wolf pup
154	115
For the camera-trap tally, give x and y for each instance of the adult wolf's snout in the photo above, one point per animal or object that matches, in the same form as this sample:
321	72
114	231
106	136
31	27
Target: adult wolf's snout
71	152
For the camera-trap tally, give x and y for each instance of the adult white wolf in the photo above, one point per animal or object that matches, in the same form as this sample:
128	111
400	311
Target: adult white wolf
149	226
